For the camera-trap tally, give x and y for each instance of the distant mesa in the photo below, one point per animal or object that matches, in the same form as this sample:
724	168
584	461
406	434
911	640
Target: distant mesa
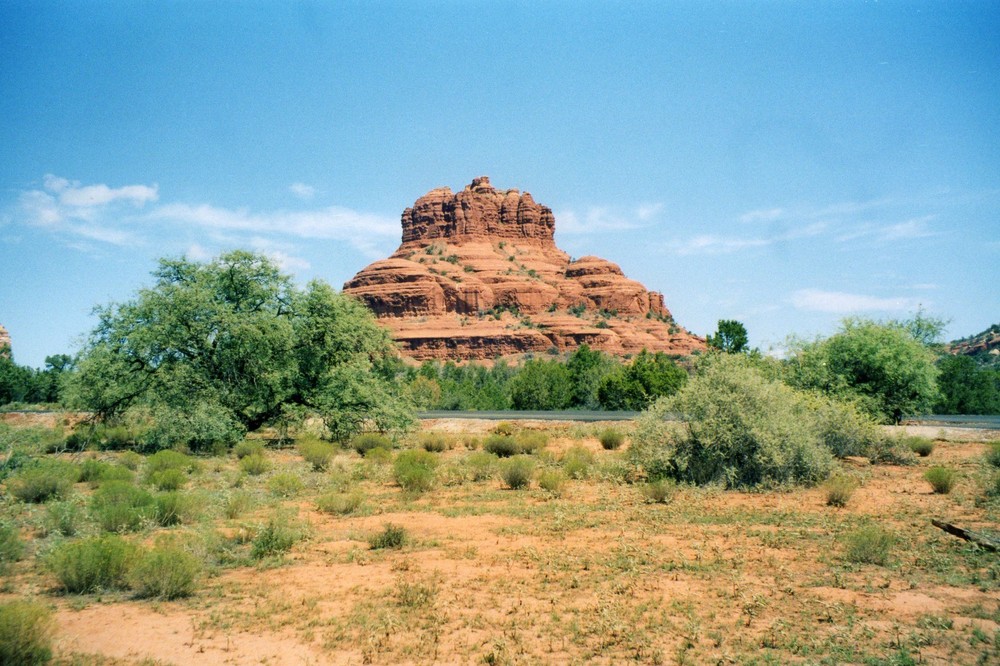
478	276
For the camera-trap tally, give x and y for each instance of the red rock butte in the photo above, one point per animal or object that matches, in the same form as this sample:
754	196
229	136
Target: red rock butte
478	276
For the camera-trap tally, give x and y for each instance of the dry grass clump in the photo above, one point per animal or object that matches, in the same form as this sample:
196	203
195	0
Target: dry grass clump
93	564
168	571
839	489
660	491
248	447
369	441
434	442
516	472
316	452
922	446
942	479
611	438
870	544
577	462
254	464
414	470
391	537
26	629
552	481
340	503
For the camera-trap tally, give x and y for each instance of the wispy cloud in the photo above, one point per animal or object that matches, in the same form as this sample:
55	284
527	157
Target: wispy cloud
302	191
718	244
604	219
909	229
838	302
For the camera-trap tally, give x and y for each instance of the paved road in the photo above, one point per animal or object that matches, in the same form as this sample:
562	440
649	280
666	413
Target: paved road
564	415
979	422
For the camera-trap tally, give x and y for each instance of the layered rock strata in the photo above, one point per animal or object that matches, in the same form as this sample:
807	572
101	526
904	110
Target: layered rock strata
478	276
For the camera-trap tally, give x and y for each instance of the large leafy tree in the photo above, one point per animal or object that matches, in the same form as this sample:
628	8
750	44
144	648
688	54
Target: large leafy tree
635	386
730	337
216	349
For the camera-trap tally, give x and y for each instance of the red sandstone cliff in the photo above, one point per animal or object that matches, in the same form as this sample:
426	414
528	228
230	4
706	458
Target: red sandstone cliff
478	275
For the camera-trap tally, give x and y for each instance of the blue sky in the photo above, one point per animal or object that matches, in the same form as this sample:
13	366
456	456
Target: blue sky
784	164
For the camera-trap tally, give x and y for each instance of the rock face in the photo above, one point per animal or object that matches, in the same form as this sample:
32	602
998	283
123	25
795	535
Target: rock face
478	276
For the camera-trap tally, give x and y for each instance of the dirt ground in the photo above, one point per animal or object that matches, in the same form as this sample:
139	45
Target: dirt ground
594	573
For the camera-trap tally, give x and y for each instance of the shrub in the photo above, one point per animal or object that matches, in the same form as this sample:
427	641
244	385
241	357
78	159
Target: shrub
248	447
868	545
482	465
891	451
378	455
285	484
611	439
96	472
26	629
922	446
316	452
365	442
340	503
275	538
845	430
505	428
236	504
942	479
89	565
414	470
130	460
660	491
169	479
993	453
471	442
63	518
118	506
166	459
434	442
11	548
743	430
173	508
839	489
168	571
552	481
530	441
391	536
516	472
43	480
255	464
502	446
577	461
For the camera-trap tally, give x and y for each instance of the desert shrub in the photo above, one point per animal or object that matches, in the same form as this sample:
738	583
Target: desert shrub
93	564
11	547
610	438
173	508
26	629
434	442
742	430
992	486
168	459
922	446
130	460
942	479
119	506
660	491
839	489
63	518
530	441
552	481
274	538
516	472
316	452
471	442
91	470
868	545
248	447
96	472
255	464
167	571
505	428
43	480
502	446
340	503
577	462
169	479
891	451
414	470
992	456
844	429
365	442
482	465
391	537
236	504
285	484
378	456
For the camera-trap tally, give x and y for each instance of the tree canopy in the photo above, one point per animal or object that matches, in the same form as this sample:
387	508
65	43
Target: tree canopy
730	337
216	349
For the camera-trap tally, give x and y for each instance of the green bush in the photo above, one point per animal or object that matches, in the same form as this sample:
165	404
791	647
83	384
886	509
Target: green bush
316	452
530	441
552	481
248	447
26	630
611	439
340	503
254	464
130	460
414	470
482	465
516	472
365	442
237	504
285	484
868	545
660	491
168	571
168	459
922	446
502	446
845	430
63	518
577	462
119	506
434	442
839	489
942	479
169	479
275	538
172	508
743	430
90	565
101	472
992	456
11	547
391	537
43	480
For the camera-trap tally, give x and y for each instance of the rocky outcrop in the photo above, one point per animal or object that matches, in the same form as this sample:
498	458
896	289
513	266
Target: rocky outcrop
478	276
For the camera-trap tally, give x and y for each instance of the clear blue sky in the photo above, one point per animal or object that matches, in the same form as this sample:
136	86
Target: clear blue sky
784	164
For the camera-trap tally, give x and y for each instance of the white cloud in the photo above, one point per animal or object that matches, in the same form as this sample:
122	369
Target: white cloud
646	212
302	191
910	229
765	215
716	244
602	219
72	194
837	302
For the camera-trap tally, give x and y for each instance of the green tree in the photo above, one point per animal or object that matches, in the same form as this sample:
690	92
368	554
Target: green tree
967	388
881	366
588	368
635	386
730	337
216	349
542	385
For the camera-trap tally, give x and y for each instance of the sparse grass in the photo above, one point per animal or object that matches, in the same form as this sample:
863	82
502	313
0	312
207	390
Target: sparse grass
11	546
26	630
236	504
922	446
505	428
391	537
577	462
942	479
254	464
414	469
839	489
992	456
869	544
552	481
530	441
93	564
173	508
482	465
611	439
340	503
660	491
516	472
273	539
285	484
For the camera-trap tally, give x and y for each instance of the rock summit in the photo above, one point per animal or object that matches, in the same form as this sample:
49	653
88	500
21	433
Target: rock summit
478	276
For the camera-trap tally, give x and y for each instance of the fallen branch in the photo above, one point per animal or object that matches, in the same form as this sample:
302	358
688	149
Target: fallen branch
986	542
